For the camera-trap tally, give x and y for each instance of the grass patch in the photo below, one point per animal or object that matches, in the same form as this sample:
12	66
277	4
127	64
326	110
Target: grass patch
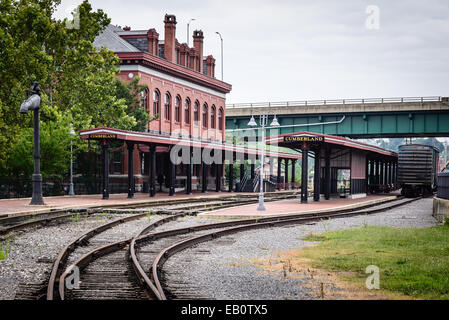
414	262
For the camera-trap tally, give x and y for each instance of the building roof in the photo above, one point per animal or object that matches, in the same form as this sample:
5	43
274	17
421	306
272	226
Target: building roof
111	40
305	136
144	137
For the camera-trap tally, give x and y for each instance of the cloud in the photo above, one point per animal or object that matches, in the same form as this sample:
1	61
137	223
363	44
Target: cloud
294	50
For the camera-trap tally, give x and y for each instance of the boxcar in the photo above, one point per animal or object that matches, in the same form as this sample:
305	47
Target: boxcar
418	169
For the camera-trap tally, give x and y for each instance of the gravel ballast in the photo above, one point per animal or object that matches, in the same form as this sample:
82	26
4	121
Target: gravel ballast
222	270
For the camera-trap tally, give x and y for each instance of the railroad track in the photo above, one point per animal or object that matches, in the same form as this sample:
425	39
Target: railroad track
21	222
93	249
134	264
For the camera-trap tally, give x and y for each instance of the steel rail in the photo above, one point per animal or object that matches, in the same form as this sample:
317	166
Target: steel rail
14	223
149	285
163	255
83	239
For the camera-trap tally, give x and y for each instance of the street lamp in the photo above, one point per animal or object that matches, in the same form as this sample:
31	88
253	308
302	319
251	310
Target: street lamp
188	26
71	189
221	38
33	103
263	123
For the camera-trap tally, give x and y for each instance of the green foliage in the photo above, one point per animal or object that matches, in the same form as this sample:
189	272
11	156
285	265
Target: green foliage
398	252
78	83
133	94
5	248
54	139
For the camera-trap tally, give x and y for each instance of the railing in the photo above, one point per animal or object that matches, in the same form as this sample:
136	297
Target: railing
244	181
256	182
336	102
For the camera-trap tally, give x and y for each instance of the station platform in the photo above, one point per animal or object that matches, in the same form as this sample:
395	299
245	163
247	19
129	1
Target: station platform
11	207
293	206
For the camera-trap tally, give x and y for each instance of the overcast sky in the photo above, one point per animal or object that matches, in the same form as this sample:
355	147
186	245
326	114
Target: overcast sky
296	50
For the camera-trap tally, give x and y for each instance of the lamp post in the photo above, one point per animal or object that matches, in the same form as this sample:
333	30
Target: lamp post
33	103
188	26
263	123
71	189
221	38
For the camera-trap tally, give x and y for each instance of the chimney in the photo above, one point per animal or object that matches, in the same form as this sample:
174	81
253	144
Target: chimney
183	54
153	42
210	66
192	59
198	45
170	38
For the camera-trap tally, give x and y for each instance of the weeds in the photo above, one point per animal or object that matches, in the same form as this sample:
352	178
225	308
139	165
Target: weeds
76	218
5	248
149	215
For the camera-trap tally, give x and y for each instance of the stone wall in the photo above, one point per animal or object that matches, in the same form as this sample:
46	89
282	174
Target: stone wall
441	209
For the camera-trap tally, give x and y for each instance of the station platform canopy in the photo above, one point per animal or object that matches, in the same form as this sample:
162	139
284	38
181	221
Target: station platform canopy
146	138
299	140
342	165
180	157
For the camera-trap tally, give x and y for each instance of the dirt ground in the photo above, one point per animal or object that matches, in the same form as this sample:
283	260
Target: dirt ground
325	285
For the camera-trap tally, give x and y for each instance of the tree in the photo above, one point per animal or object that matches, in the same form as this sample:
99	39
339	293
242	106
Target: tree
135	95
78	80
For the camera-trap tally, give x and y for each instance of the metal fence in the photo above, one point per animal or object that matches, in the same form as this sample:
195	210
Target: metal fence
443	185
336	102
22	188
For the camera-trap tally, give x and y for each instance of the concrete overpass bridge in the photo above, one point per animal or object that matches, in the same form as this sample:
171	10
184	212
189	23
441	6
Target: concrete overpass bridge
354	118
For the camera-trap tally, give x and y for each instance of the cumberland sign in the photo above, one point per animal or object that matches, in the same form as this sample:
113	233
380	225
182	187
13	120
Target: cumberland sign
303	139
103	136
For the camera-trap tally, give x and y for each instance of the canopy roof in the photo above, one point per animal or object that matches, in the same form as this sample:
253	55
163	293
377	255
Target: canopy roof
104	133
297	140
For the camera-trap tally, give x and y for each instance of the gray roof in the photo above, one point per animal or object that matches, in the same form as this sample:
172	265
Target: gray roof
111	40
132	32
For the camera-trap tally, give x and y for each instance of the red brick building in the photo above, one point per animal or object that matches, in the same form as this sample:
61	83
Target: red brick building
183	93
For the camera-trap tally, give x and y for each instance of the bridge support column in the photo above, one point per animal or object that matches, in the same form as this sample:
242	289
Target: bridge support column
242	171
305	174
317	177
105	147
327	176
131	186
286	175
152	182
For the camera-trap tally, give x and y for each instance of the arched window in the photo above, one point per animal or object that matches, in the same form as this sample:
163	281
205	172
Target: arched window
205	115
144	99
220	119
187	111
177	108
212	117
156	102
196	114
167	106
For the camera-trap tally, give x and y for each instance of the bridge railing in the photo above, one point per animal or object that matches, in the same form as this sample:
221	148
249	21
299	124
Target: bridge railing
335	102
